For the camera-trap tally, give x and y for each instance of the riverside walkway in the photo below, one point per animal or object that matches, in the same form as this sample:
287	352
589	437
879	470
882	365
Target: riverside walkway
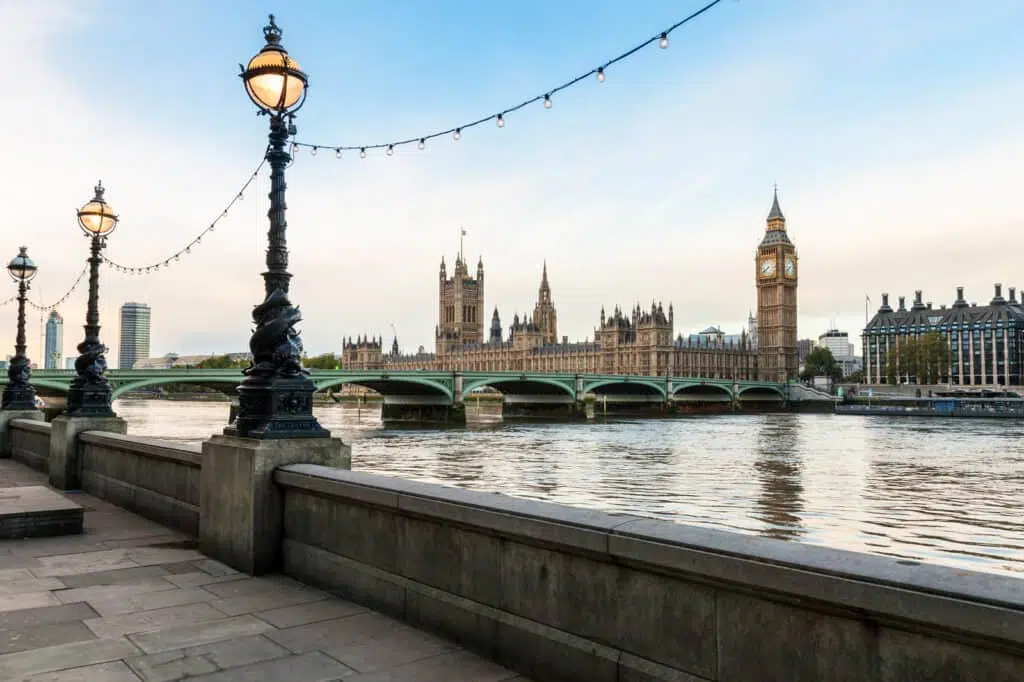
131	600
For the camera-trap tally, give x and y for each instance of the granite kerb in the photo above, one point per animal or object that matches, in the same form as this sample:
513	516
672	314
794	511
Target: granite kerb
924	598
31	425
187	455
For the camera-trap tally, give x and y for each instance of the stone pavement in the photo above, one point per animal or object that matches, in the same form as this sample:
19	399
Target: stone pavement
132	600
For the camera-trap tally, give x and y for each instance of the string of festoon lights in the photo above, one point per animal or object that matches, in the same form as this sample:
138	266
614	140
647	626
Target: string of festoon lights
71	290
187	249
499	118
55	304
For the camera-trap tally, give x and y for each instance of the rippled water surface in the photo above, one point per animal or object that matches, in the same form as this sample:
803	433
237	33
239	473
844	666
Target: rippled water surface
945	491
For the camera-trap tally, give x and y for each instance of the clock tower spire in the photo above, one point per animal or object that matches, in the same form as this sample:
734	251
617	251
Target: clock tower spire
776	276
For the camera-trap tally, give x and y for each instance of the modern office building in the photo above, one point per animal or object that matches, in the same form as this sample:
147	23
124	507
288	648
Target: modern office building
838	343
134	334
54	340
985	342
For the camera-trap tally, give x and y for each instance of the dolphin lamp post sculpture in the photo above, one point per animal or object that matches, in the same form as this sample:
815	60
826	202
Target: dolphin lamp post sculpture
275	400
90	392
19	394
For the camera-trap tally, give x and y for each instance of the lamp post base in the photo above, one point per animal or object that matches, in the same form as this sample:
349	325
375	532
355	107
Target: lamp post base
19	398
89	400
276	408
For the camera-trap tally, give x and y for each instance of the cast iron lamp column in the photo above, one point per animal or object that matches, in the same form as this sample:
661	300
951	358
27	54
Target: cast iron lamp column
275	400
19	394
90	393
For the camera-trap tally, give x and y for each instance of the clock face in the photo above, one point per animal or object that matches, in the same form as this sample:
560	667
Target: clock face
790	267
768	267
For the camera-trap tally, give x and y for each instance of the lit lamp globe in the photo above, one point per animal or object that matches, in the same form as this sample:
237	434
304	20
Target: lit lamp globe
22	268
97	218
274	81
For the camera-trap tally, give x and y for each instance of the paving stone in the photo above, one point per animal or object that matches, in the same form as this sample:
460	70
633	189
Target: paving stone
25	663
9	574
259	586
179	663
311	667
453	667
178	567
37	636
199	634
389	649
150	600
45	615
214	567
157	619
37	511
118	576
301	614
27	600
30	584
115	671
83	562
334	633
199	578
108	592
150	556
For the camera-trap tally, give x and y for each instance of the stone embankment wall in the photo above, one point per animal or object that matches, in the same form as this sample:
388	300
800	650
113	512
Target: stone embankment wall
560	593
156	479
571	594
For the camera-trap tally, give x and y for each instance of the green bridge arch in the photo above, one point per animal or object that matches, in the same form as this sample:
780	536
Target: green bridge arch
382	382
704	386
658	386
565	385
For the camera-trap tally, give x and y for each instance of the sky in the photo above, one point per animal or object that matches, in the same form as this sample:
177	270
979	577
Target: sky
891	128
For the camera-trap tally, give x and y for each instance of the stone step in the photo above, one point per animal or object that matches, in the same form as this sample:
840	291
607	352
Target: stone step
36	511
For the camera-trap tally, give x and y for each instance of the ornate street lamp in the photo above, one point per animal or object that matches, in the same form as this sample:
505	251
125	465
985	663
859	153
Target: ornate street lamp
19	394
90	394
275	400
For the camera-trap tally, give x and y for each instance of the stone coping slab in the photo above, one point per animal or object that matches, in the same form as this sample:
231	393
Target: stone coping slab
180	453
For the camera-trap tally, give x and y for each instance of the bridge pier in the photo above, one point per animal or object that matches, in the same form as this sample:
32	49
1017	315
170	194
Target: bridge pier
421	410
541	408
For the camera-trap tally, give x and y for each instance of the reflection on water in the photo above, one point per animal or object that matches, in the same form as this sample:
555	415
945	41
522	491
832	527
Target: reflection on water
946	491
780	500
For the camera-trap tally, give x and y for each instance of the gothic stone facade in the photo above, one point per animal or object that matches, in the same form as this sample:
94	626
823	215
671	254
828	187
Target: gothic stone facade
640	342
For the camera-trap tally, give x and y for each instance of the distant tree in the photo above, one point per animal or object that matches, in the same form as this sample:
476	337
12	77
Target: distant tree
324	361
222	362
934	357
820	362
921	359
892	365
856	377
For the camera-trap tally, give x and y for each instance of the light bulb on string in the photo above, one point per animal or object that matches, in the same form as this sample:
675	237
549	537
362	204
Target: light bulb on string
362	153
501	121
295	148
547	101
337	153
391	149
458	134
663	41
600	74
313	151
421	144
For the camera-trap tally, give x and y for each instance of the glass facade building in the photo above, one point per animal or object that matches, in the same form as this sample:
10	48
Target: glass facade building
985	342
54	344
134	334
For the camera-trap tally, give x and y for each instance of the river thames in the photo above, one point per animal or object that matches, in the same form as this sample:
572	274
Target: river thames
934	490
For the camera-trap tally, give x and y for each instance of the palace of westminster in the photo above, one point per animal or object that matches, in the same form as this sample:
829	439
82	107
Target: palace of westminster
637	342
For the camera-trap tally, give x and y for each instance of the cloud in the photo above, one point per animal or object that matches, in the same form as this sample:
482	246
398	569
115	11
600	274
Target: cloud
653	185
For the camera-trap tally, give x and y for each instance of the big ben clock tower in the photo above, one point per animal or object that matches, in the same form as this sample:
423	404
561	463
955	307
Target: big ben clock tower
776	275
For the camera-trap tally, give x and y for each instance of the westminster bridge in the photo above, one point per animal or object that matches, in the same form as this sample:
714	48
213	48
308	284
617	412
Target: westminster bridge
421	396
